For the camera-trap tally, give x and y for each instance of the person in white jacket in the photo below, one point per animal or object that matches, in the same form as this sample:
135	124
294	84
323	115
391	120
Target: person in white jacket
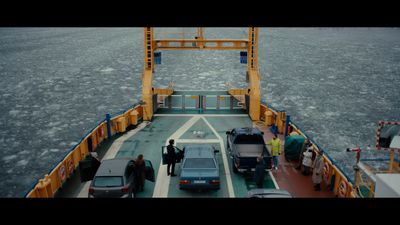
317	172
307	161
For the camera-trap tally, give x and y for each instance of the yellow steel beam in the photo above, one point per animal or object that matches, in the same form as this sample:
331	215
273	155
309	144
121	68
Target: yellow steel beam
163	91
253	74
254	93
148	48
205	44
252	51
147	94
237	91
147	76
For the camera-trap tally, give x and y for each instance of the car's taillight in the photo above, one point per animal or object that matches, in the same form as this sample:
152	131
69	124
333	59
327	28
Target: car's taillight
125	189
184	182
215	181
91	190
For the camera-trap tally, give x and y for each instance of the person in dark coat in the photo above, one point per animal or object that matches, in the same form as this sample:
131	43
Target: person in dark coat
259	172
140	171
171	158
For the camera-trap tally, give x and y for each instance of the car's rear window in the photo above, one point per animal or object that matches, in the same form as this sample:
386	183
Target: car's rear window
199	163
108	182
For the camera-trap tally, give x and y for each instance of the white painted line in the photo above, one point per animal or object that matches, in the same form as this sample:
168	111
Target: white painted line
162	183
113	150
85	190
203	115
197	141
224	159
273	179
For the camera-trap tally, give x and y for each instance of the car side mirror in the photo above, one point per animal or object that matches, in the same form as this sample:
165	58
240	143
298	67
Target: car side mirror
228	132
216	150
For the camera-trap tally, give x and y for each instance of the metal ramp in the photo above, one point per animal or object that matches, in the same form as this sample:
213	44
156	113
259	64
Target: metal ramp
200	102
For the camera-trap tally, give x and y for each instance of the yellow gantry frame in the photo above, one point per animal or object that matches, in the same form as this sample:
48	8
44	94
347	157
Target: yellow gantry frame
200	43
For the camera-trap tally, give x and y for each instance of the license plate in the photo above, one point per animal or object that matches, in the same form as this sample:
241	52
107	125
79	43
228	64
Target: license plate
199	182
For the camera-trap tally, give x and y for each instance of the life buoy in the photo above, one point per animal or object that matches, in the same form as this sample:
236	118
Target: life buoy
342	189
71	167
61	173
326	172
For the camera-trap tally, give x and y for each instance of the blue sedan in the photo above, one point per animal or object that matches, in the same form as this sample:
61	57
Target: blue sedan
199	168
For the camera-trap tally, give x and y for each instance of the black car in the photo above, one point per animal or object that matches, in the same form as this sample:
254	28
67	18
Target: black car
116	178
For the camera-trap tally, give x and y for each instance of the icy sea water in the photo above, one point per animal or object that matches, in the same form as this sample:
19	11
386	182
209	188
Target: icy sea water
58	83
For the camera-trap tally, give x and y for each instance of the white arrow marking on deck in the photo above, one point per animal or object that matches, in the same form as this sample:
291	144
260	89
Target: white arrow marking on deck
162	183
224	159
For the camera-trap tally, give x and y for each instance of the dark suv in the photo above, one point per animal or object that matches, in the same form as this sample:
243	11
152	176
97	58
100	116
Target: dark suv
116	178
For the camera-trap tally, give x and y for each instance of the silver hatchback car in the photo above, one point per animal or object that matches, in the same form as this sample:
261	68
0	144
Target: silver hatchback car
116	178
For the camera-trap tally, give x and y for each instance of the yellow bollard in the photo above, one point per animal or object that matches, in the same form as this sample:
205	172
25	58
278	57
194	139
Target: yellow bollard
281	122
121	124
134	117
49	189
44	188
269	118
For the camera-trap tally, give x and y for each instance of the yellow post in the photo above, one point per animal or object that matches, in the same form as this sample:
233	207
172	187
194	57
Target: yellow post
254	76
147	77
391	160
147	95
254	94
252	51
200	36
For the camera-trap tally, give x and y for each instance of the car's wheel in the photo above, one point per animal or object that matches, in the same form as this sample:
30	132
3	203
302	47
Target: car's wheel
235	170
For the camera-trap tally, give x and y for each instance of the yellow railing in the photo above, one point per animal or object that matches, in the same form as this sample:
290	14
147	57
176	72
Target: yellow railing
51	183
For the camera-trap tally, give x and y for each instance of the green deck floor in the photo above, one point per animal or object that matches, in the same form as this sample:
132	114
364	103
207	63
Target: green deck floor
149	140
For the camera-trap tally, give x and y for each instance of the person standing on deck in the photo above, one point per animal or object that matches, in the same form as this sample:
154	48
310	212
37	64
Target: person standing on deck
317	172
171	158
275	150
259	173
140	171
306	144
307	161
